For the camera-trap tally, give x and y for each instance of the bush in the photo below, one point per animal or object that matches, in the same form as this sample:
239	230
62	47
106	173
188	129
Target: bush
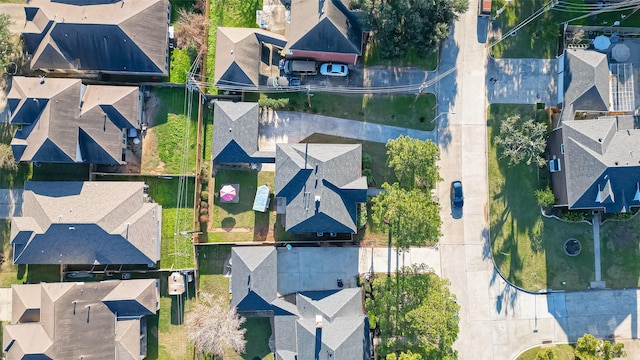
204	180
274	104
6	158
545	197
574	215
204	195
204	211
204	218
180	63
366	161
368	174
204	205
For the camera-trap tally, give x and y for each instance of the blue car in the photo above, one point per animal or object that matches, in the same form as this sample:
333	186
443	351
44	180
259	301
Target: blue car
457	196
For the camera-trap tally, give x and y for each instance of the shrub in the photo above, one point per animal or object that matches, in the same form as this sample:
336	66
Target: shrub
204	180
204	205
6	158
574	215
368	174
204	211
545	197
274	104
204	218
366	161
204	195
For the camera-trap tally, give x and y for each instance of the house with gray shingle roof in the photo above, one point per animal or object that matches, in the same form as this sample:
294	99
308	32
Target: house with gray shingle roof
322	30
319	186
319	324
64	120
86	223
101	36
235	134
594	149
65	320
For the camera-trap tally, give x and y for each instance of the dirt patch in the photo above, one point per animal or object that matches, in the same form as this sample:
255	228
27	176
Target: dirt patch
151	163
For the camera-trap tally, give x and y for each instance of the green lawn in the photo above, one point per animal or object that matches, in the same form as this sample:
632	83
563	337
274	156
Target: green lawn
619	253
527	248
564	352
173	135
395	110
179	64
12	179
525	45
231	13
430	62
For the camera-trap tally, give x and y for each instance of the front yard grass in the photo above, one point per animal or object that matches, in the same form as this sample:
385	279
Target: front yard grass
619	251
394	110
564	352
526	247
429	62
171	138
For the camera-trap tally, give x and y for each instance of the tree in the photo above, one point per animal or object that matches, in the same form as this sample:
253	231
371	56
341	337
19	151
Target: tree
190	30
404	356
590	348
545	197
522	141
547	354
214	327
6	158
9	51
416	311
400	25
414	161
413	218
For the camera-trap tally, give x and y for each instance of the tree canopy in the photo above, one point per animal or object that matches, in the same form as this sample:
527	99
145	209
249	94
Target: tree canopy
6	158
8	46
414	161
413	218
214	327
414	312
400	25
522	141
590	348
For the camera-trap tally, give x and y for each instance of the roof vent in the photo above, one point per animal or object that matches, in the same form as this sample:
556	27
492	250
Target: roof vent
72	227
599	139
318	321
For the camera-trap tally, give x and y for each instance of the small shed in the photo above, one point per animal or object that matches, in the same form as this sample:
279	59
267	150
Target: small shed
176	283
261	202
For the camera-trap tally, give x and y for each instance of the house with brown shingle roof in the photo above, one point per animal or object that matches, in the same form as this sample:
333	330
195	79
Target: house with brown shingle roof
64	120
98	36
74	320
98	222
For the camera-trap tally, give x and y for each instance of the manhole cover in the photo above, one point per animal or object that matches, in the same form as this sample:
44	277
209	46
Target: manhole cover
572	247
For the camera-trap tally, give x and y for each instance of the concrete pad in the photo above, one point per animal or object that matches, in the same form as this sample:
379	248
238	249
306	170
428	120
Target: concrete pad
5	304
10	203
479	303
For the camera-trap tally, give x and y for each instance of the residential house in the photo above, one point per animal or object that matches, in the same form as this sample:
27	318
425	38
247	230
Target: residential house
594	149
319	186
246	56
322	30
323	324
96	223
98	36
75	320
63	120
235	134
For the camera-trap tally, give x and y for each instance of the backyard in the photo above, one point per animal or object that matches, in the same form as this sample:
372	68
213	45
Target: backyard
539	38
528	248
171	134
395	110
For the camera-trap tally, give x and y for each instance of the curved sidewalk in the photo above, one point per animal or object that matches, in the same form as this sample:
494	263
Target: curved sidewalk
293	127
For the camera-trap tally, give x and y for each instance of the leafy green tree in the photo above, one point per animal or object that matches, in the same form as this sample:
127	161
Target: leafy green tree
414	161
9	51
413	218
545	197
590	348
6	158
404	356
522	141
400	25
547	354
415	313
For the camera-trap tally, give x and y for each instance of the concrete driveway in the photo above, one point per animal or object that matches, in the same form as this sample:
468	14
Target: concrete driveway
6	301
293	127
316	268
10	203
385	259
522	81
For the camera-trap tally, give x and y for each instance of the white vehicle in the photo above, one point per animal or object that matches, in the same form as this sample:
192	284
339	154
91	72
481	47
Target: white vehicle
330	69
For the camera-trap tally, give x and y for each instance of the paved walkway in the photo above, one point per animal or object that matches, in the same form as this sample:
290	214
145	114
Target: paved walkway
293	127
10	203
387	260
5	304
596	250
522	81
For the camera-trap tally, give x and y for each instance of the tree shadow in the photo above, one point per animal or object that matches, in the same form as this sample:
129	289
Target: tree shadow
228	223
177	309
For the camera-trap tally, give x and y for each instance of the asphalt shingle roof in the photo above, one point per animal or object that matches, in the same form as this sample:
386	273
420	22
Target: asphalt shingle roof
321	184
66	121
107	36
86	223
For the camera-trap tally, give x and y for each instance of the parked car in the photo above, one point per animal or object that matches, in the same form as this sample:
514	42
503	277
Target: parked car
457	196
295	82
330	69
